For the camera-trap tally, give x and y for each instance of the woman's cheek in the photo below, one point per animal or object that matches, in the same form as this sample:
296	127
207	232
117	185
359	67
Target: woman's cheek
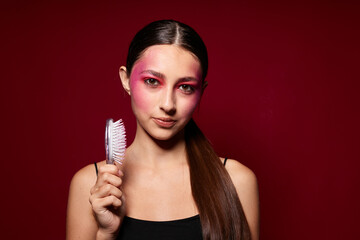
191	103
139	96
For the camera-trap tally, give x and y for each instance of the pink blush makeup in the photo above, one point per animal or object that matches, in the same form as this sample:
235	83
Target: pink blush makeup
137	91
138	88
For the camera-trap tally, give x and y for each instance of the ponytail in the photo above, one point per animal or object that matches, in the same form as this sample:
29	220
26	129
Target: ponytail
221	213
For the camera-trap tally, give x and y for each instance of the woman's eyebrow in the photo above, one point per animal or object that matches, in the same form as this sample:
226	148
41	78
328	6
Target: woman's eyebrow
188	79
162	76
154	73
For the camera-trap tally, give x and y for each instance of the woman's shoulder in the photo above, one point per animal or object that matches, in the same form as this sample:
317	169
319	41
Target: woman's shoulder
86	176
80	218
246	186
242	176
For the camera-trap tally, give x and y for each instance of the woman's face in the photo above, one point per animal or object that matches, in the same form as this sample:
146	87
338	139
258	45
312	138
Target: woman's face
165	88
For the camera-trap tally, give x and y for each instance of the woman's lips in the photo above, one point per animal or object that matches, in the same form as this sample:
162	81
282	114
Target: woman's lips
164	122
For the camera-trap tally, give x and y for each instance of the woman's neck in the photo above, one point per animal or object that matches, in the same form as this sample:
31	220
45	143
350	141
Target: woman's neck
157	153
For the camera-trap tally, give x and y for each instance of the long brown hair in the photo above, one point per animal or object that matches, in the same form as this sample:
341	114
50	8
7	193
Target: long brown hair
221	213
220	210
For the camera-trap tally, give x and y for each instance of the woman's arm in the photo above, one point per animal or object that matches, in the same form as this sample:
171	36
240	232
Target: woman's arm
94	203
246	186
80	221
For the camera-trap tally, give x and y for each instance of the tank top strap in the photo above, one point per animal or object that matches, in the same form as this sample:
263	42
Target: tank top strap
225	160
96	168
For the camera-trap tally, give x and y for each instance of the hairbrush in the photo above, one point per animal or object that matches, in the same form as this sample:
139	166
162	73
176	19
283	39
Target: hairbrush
115	141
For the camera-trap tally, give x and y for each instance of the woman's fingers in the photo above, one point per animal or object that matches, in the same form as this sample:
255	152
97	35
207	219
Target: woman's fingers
106	190
110	168
101	204
108	174
106	178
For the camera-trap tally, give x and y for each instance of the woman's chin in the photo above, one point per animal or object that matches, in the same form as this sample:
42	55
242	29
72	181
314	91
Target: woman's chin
163	137
166	134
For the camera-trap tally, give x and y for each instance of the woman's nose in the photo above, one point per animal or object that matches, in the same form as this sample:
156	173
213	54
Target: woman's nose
168	102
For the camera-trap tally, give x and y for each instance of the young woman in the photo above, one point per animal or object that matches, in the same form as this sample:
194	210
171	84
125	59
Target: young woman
172	185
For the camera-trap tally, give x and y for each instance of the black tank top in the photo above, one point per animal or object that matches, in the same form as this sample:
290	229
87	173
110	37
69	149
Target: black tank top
136	229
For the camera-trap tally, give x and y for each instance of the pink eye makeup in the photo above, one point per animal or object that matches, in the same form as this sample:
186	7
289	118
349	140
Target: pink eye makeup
187	89
152	82
155	79
188	85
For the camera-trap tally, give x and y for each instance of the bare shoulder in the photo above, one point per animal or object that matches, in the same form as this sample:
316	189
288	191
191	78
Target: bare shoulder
86	176
80	222
81	183
244	180
246	186
239	173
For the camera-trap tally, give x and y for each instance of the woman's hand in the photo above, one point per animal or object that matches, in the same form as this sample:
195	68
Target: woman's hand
106	200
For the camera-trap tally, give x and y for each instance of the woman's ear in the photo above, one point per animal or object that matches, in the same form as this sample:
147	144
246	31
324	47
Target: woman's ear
125	79
204	85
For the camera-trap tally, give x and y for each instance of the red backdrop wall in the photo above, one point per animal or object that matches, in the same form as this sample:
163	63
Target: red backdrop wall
282	99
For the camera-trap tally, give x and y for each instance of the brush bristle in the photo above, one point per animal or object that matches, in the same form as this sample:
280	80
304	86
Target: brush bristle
118	141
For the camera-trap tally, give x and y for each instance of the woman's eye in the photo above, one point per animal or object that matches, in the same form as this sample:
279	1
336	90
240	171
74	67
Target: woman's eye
152	82
186	88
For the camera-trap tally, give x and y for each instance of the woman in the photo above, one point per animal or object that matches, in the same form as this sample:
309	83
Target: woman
171	185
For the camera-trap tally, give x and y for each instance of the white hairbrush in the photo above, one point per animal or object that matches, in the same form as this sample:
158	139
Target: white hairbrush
115	141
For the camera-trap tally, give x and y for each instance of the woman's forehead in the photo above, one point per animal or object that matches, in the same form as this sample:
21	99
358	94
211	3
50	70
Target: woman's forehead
167	58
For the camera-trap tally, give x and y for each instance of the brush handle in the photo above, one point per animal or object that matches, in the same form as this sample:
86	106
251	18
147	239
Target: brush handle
108	141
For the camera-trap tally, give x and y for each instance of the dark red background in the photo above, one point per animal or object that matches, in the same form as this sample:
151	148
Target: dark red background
282	98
